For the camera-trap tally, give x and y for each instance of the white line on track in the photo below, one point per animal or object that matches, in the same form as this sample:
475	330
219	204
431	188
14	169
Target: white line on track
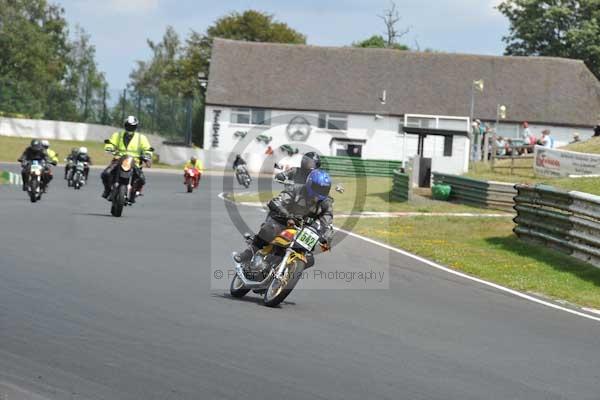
456	273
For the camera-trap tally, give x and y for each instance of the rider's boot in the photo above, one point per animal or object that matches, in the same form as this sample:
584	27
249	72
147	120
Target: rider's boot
245	255
106	191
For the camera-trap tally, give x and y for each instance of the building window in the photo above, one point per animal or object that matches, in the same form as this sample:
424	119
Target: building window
251	116
448	141
338	122
420	122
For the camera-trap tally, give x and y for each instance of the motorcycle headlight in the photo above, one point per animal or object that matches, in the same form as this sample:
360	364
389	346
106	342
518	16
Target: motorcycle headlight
126	164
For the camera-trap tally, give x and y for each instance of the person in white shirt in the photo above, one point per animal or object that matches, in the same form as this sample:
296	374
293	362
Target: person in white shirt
547	140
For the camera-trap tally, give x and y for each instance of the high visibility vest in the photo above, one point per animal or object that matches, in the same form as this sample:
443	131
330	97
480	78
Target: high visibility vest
198	165
137	146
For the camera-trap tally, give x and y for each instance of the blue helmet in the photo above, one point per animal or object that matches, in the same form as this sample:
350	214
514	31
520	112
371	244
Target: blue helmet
318	184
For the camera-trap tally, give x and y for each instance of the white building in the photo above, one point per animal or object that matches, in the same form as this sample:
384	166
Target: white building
357	102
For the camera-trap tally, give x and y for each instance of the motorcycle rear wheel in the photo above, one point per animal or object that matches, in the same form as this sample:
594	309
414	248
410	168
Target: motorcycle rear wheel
278	290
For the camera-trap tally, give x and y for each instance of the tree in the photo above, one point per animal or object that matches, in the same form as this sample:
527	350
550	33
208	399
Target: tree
33	61
84	83
558	28
254	26
390	18
377	41
42	73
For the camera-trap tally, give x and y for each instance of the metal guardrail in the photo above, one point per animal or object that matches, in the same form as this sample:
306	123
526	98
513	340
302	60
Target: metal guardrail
565	221
400	187
352	166
10	178
487	194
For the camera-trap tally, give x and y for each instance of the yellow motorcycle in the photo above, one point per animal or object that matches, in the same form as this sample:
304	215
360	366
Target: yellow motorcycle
276	269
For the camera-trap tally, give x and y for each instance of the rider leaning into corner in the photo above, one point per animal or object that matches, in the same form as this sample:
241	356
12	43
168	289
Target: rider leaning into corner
310	161
310	200
238	161
128	142
35	151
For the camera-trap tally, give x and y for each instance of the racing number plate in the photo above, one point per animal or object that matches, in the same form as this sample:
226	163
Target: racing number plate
307	239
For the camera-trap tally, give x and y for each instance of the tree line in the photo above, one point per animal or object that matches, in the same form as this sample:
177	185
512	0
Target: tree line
45	72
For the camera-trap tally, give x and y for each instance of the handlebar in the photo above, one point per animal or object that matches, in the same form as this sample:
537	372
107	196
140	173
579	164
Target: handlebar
283	182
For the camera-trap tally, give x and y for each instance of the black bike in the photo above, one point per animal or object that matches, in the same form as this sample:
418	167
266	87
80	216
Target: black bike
124	186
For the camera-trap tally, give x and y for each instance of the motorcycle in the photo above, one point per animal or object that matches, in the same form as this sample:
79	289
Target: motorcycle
69	174
35	184
77	175
192	178
124	191
275	270
242	176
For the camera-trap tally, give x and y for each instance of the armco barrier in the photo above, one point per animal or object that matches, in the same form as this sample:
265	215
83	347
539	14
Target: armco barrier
352	166
566	221
487	194
400	187
10	178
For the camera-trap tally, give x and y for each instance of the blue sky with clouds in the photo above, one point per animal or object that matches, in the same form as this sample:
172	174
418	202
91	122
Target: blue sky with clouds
119	28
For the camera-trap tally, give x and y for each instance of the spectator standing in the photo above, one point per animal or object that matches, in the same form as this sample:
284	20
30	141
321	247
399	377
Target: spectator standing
500	146
475	132
597	130
528	137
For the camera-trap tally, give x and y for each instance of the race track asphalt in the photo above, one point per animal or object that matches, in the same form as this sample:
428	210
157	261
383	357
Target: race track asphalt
95	307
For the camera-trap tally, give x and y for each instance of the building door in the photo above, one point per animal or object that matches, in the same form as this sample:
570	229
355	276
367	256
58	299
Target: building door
354	150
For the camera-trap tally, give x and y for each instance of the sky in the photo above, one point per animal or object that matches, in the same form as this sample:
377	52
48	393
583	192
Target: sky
120	28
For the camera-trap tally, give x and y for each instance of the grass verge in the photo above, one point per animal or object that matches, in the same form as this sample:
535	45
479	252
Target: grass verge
487	248
370	194
11	148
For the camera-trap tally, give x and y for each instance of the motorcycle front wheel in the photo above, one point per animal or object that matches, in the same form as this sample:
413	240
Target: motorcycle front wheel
236	288
279	289
119	201
33	190
76	182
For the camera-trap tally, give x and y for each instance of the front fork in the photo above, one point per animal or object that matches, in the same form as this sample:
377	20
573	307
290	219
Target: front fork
280	272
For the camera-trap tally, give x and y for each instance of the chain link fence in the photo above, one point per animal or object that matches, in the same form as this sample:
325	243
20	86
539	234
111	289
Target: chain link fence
178	119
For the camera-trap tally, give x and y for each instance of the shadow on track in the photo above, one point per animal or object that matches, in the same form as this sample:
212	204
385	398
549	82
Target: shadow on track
94	215
250	299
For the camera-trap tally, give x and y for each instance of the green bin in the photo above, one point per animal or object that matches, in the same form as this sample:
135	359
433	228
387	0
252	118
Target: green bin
441	192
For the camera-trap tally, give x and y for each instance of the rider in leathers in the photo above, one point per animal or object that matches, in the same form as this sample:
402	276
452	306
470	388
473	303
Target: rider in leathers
35	151
307	201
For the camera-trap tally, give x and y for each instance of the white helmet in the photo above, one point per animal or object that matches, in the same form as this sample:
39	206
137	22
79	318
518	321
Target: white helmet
83	150
45	144
131	123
